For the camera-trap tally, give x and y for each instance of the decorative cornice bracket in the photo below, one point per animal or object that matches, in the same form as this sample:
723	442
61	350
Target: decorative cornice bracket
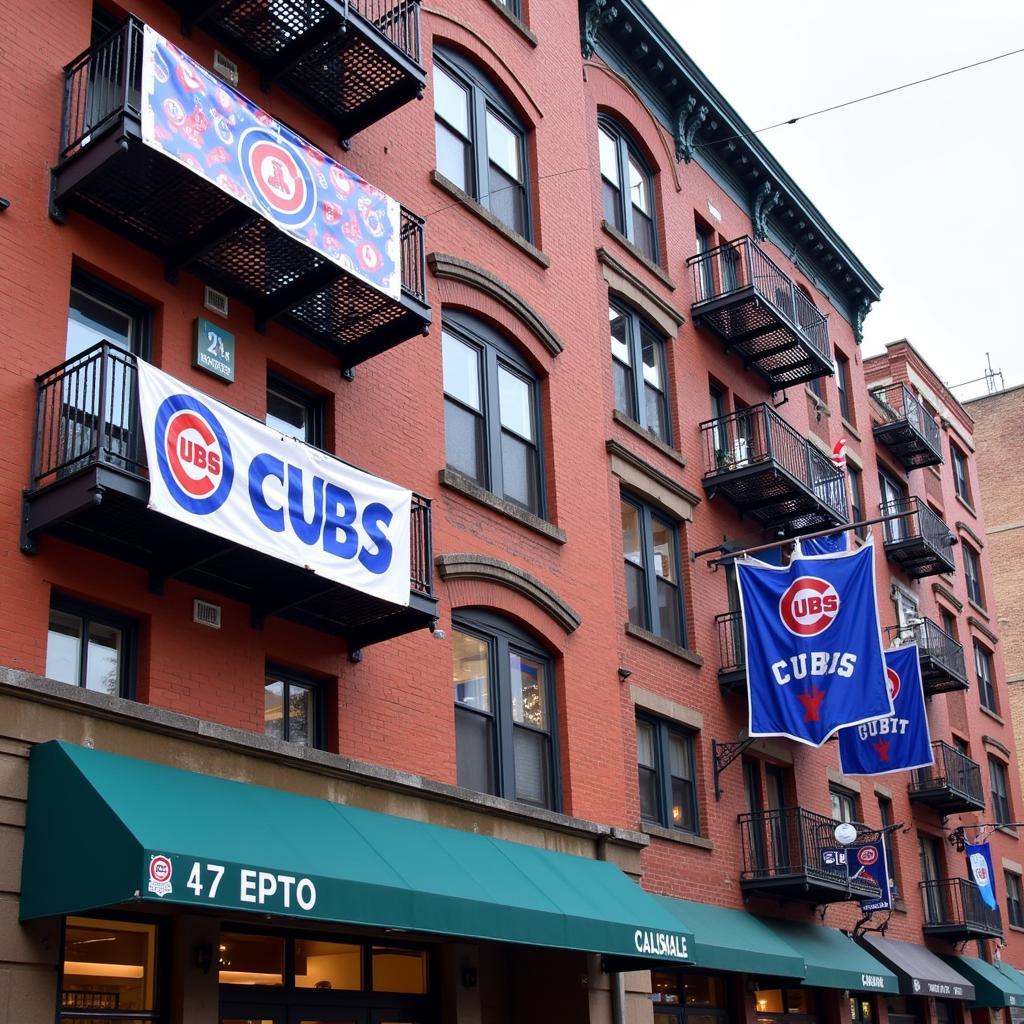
598	13
689	121
764	202
859	316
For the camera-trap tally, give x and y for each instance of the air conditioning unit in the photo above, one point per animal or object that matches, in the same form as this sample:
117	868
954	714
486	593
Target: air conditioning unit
215	301
205	613
225	68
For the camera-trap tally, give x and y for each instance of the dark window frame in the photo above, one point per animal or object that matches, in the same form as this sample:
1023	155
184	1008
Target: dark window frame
972	575
856	475
984	671
843	387
135	309
648	515
626	148
291	677
89	611
664	730
1014	899
502	638
961	473
999	790
495	351
315	405
885	814
485	97
639	330
845	797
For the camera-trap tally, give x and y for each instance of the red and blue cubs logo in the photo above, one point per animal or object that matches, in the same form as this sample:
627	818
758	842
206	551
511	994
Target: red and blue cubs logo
809	606
193	455
278	177
894	682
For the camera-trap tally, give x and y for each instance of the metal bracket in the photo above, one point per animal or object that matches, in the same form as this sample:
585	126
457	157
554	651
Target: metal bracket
862	925
723	755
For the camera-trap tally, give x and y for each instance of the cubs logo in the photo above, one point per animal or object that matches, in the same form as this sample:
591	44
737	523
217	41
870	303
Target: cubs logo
894	683
160	871
278	176
867	855
160	70
188	77
193	455
980	868
369	258
175	111
341	181
809	606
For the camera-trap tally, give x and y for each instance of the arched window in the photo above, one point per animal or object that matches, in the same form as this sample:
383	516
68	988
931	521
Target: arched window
627	187
491	412
504	710
481	144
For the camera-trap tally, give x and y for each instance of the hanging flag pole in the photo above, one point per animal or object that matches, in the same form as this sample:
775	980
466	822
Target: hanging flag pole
730	556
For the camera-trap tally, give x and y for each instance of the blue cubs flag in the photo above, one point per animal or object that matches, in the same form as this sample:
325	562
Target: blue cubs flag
864	862
901	740
813	649
824	545
979	862
201	122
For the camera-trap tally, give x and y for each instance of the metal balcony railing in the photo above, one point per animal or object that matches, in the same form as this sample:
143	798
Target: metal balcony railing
918	539
793	851
907	429
954	780
942	656
732	657
87	415
745	297
954	907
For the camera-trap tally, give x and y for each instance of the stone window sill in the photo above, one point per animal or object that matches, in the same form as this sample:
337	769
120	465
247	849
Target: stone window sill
1008	831
991	714
613	232
851	430
642	432
470	489
967	505
521	28
981	611
673	835
665	645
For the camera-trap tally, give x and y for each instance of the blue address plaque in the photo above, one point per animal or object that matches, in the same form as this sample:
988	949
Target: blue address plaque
213	350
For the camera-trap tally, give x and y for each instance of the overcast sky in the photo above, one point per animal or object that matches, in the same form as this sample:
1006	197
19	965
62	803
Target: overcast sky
925	185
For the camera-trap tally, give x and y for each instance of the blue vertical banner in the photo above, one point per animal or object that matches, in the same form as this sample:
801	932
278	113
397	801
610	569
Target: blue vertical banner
899	741
813	649
867	862
979	863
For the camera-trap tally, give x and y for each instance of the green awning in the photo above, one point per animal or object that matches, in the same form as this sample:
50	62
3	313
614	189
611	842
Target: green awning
994	984
733	940
104	830
833	959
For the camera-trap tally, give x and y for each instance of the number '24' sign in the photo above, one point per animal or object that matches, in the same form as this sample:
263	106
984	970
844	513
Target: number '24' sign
213	350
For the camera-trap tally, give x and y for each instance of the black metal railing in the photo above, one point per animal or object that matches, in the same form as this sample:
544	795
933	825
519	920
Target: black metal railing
87	414
732	656
741	264
933	642
900	405
955	904
414	257
916	521
792	842
399	22
760	435
952	771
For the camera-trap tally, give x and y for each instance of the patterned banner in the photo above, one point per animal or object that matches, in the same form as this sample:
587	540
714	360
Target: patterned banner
813	654
979	860
221	471
201	122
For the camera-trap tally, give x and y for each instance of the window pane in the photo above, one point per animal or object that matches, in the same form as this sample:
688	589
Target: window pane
399	970
461	370
609	156
451	101
519	472
463	441
506	199
529	691
643	234
273	709
90	321
664	550
638	193
64	647
645	747
532	758
515	399
648	779
288	415
103	659
653	354
631	541
680	756
635	595
682	805
328	965
300	714
474	750
625	400
612	205
669	624
504	147
453	157
471	672
619	329
251	959
108	965
654	410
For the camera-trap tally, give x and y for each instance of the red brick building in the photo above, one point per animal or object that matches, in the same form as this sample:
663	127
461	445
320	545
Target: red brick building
607	340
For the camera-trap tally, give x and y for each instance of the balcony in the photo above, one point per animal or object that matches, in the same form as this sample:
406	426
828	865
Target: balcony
908	431
755	460
954	909
90	486
352	61
952	785
942	656
220	232
792	854
732	655
760	314
918	540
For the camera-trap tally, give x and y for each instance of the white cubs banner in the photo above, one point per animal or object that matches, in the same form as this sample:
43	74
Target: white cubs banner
221	471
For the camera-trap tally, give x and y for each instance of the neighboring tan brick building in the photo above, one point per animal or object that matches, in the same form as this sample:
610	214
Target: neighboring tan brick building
580	332
998	422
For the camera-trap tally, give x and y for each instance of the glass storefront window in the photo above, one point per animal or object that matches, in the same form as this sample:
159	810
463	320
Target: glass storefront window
697	991
399	970
328	965
800	1001
108	965
251	959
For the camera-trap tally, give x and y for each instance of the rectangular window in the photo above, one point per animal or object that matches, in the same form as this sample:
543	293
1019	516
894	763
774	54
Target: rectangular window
107	965
294	411
948	622
292	709
986	681
665	765
843	386
246	959
972	575
1000	791
885	813
844	804
961	479
816	389
857	498
1014	910
91	647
